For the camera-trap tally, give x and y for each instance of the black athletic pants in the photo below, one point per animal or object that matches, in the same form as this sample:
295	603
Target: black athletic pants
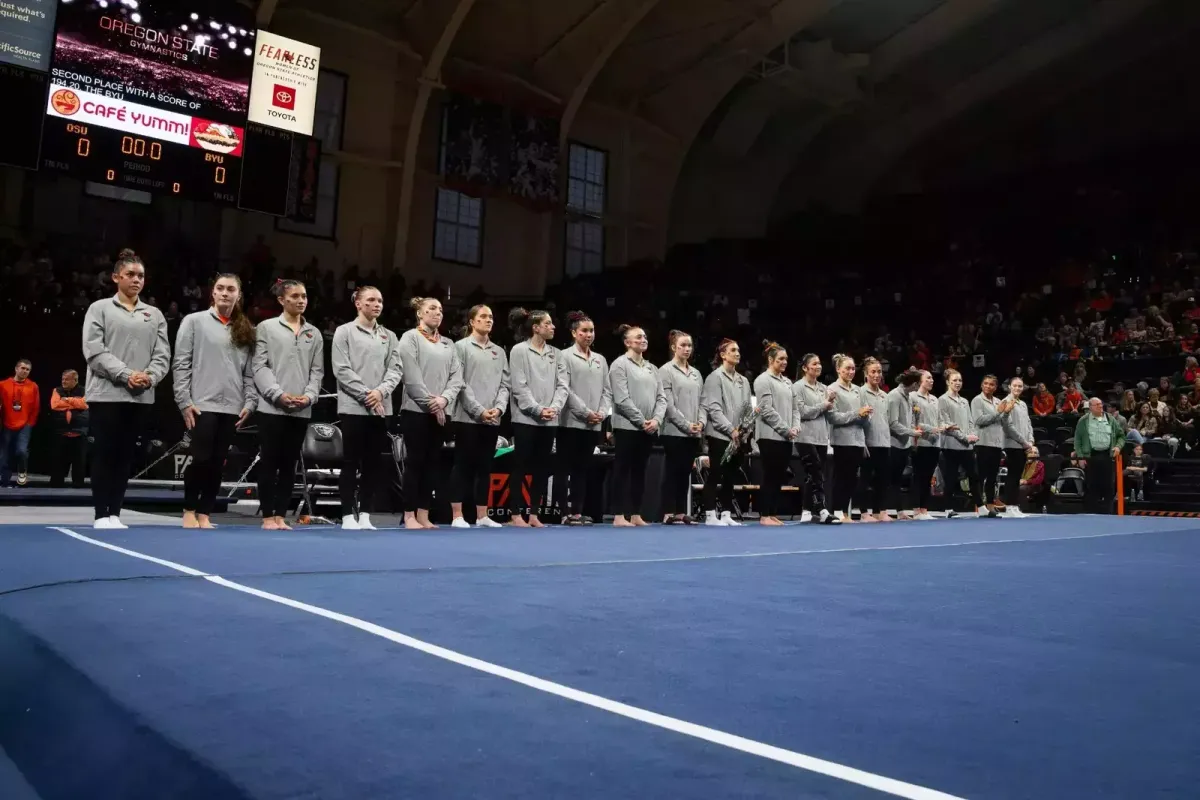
952	462
211	439
629	470
899	460
988	460
925	462
680	455
423	439
1098	483
532	455
364	438
474	451
775	457
720	475
812	458
70	453
117	430
846	459
576	448
875	471
1014	462
280	439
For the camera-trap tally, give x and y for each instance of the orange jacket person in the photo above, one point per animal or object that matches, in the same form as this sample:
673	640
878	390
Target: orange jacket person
19	406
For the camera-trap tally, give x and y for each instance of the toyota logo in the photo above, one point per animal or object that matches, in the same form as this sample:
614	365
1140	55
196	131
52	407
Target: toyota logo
284	97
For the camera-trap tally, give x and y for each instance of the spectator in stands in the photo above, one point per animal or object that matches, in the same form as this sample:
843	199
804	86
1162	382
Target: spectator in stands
1191	371
1072	400
1137	469
1129	405
1185	422
69	419
1043	401
1098	440
20	402
1033	477
1157	405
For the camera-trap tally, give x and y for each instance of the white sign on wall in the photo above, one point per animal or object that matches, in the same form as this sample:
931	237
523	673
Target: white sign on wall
283	91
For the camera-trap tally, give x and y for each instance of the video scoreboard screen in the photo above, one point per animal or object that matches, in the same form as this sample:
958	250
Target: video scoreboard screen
154	95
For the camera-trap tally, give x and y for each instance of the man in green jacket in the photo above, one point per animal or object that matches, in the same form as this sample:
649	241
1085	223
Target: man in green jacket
1098	440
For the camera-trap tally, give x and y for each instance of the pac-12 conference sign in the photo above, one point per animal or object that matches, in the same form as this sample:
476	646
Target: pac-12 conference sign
283	92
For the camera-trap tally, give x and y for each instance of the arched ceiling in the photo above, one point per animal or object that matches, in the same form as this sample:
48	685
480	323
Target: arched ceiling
814	98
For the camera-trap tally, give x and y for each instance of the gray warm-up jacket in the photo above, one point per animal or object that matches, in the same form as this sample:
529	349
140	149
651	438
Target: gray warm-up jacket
725	398
773	396
288	362
682	390
1018	430
486	380
900	418
956	411
430	369
846	427
538	382
988	421
928	418
813	419
587	388
209	372
879	433
118	342
637	394
364	359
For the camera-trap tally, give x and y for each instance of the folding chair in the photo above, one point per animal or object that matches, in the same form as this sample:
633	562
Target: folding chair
322	444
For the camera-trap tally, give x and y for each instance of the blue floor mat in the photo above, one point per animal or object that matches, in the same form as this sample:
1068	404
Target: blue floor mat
1044	668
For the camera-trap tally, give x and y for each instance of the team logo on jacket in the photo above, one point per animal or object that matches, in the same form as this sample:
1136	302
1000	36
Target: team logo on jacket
146	315
308	335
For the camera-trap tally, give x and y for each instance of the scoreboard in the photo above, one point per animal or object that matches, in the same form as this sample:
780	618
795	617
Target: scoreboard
155	95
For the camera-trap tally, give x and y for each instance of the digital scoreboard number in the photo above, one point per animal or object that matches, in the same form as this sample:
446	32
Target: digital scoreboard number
110	156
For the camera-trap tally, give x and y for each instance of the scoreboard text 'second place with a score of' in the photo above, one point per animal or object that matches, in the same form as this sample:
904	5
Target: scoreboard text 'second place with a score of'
155	95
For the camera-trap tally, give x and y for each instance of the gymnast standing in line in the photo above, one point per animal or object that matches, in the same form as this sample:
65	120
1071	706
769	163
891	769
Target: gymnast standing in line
727	402
289	365
775	430
847	434
905	431
366	365
539	392
878	437
639	406
214	389
432	382
589	402
958	446
128	354
928	449
813	404
683	426
477	416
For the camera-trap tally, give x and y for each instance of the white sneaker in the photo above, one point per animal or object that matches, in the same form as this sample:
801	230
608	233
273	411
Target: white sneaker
459	522
839	515
806	516
103	523
1012	512
115	523
364	521
711	518
487	522
825	518
728	521
924	516
985	512
951	514
349	523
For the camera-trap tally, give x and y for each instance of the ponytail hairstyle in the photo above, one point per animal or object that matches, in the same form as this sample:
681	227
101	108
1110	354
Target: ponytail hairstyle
719	356
909	378
770	350
241	329
839	359
124	259
869	362
359	290
521	321
577	318
802	367
623	330
417	304
950	373
282	285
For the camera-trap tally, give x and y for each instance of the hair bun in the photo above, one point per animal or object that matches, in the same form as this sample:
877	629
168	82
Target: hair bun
126	252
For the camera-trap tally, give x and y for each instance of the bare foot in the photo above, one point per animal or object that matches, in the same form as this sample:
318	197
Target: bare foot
637	521
269	524
534	522
771	521
866	518
621	522
410	522
884	518
517	521
904	516
189	520
205	522
282	523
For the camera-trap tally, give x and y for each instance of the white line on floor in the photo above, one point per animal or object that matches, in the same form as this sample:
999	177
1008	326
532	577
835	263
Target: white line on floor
809	763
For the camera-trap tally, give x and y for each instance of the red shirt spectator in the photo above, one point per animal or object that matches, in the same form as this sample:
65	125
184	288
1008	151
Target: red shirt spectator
1043	402
20	401
1072	401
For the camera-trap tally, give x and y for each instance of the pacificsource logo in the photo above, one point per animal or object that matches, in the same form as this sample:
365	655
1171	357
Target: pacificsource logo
65	102
284	97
